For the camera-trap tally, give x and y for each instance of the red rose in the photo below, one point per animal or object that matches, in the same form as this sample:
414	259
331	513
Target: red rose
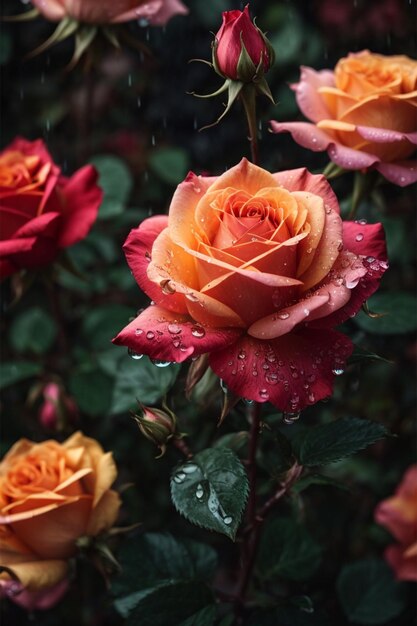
256	269
41	211
237	33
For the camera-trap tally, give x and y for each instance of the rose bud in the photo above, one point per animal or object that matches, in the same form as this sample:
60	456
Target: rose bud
159	426
57	408
242	55
240	49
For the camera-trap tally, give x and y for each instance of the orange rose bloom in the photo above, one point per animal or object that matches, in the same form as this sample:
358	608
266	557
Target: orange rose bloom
52	494
256	270
363	113
399	515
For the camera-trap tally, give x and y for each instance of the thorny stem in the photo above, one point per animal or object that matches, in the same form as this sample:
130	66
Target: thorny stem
252	535
248	97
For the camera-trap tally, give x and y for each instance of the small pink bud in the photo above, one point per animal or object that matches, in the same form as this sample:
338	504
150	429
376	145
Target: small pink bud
159	426
57	407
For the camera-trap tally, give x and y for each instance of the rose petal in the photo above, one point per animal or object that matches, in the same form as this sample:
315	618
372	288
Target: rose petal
309	100
405	568
166	336
37	575
82	198
283	321
384	135
52	9
104	515
301	179
290	372
401	173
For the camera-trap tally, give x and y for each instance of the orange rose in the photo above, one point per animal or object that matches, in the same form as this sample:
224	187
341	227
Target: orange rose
52	494
255	269
399	515
364	114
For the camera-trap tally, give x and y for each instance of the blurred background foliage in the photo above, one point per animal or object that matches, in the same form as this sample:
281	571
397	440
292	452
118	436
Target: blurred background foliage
131	116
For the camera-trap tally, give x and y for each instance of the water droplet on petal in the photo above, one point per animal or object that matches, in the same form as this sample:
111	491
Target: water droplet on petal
241	355
283	316
167	287
138	331
198	331
359	237
150	335
192	297
159	363
264	394
134	355
338	372
174	329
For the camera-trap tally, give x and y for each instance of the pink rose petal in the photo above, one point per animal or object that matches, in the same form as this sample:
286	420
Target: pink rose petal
167	336
290	372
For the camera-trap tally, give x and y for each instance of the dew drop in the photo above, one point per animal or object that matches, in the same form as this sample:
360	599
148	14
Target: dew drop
134	355
241	355
198	331
199	492
271	378
138	331
228	520
283	316
190	468
264	394
192	297
167	287
290	418
150	335
159	363
223	386
174	329
338	372
359	237
179	478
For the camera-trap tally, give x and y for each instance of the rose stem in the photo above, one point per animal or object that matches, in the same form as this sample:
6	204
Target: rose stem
182	447
248	97
250	542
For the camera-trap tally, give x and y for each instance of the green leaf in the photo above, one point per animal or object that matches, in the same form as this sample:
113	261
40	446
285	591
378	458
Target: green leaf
205	617
361	354
149	559
171	604
170	164
116	181
368	592
400	314
328	443
33	331
92	391
287	550
140	381
5	47
317	479
101	324
276	454
14	372
288	616
211	490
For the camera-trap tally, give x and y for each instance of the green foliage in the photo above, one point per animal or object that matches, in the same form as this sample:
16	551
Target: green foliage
33	330
211	490
12	372
180	603
170	164
331	442
100	325
288	616
398	311
287	550
369	593
92	390
154	561
116	181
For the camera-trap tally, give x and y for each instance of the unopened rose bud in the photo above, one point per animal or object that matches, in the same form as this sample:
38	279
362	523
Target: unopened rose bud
159	426
240	50
57	408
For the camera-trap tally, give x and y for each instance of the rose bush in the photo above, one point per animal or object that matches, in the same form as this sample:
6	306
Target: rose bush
41	211
398	514
51	494
363	114
238	31
256	269
157	12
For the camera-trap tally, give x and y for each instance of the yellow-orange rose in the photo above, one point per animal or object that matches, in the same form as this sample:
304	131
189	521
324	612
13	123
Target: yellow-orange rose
52	494
363	113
